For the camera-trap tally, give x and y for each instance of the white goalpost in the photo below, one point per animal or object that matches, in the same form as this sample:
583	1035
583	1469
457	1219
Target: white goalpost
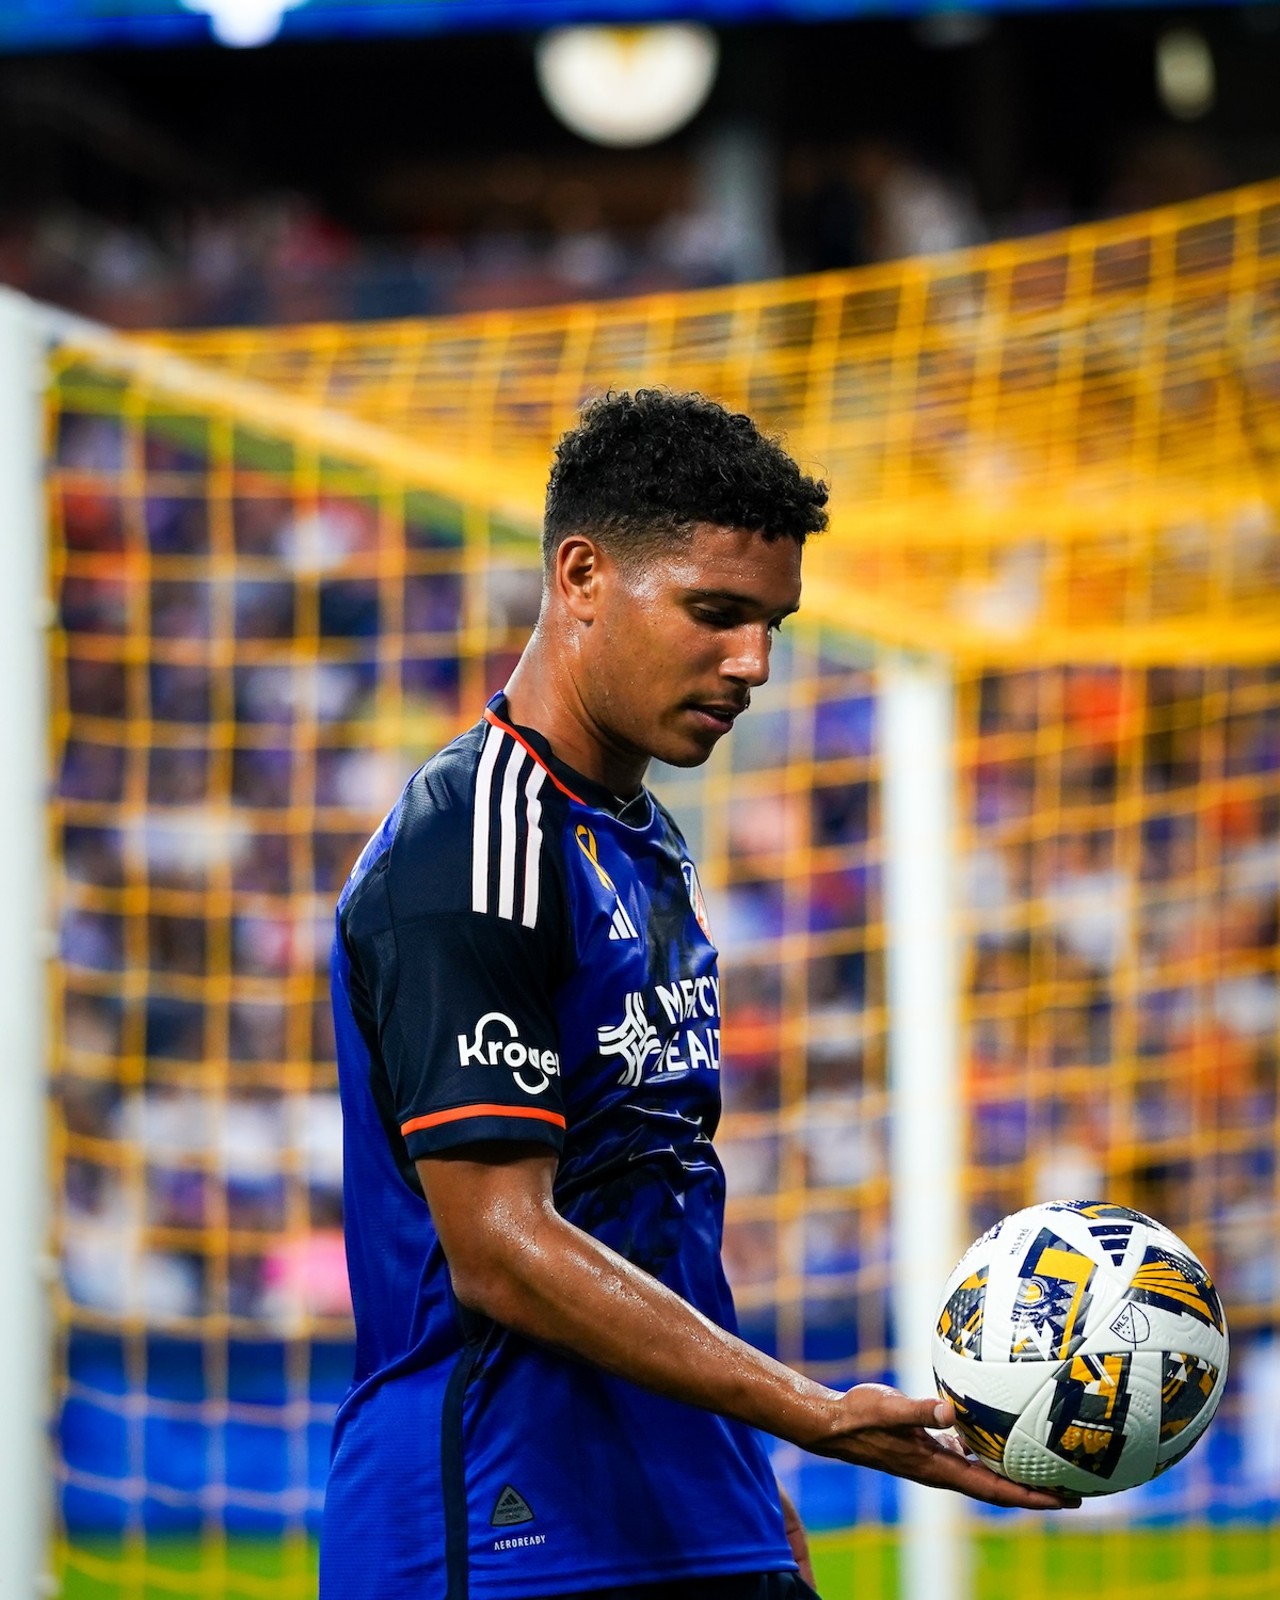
25	945
927	1206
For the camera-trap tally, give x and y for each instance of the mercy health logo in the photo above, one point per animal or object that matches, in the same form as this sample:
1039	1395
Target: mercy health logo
496	1043
689	1010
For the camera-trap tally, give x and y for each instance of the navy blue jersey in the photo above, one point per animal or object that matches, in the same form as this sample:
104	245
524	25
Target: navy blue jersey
520	956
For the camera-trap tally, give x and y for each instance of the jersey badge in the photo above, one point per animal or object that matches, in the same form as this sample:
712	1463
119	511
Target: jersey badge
695	898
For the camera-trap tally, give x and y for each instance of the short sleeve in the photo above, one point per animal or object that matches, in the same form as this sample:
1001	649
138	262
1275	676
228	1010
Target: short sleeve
469	1037
459	940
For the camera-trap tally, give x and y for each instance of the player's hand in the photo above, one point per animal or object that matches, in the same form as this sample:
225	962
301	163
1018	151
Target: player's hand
877	1426
797	1538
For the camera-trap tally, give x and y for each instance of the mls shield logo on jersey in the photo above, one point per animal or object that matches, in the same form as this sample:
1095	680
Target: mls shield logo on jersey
695	898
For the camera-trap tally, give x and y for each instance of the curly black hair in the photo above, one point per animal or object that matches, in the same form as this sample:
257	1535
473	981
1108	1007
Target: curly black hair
641	469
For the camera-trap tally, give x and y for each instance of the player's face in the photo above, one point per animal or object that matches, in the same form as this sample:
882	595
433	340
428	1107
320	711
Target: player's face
681	639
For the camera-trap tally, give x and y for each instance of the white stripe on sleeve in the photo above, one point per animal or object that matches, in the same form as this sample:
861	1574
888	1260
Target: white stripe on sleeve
533	845
507	833
480	821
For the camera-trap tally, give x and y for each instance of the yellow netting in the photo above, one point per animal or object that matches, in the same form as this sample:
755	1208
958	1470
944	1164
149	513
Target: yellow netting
1120	860
1063	447
288	564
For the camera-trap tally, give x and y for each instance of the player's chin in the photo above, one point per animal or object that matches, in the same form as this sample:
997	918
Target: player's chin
680	748
691	732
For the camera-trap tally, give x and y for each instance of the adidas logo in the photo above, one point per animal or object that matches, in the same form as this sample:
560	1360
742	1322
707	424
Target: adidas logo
512	1508
622	926
1114	1238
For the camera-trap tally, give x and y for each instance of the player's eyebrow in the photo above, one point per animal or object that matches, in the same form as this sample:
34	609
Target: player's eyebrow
732	597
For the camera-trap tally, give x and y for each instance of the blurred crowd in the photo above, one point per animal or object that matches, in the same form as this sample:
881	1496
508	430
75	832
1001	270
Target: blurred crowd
280	259
536	235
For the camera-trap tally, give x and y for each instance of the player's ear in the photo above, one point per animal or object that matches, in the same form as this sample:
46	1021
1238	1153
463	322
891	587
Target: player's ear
576	576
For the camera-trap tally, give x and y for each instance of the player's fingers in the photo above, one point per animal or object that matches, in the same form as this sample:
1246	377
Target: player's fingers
971	1478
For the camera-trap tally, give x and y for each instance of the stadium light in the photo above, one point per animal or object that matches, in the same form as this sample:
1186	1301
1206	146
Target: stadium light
244	24
1185	73
627	86
952	29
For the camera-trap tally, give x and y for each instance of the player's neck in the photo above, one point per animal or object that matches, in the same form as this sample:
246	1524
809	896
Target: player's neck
546	699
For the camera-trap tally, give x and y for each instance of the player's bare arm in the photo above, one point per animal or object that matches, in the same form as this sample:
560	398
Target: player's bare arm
513	1258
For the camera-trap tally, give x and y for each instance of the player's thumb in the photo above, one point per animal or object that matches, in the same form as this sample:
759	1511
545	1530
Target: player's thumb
896	1410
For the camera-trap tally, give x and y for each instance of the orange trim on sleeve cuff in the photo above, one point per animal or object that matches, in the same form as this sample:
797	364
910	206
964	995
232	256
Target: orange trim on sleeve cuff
458	1113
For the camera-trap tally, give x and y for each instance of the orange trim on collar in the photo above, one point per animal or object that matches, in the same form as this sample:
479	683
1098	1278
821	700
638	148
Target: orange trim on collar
507	728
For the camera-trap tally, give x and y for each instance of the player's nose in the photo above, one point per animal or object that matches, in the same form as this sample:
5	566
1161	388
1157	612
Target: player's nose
749	662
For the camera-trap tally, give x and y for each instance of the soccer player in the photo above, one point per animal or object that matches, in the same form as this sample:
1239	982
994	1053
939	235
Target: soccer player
550	1398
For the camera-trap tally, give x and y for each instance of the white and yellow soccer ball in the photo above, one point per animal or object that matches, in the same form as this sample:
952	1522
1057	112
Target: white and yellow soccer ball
1083	1345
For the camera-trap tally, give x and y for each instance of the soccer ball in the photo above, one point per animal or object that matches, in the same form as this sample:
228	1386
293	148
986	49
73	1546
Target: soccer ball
1083	1345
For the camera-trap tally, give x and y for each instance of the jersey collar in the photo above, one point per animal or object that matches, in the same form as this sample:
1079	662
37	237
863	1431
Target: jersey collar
636	812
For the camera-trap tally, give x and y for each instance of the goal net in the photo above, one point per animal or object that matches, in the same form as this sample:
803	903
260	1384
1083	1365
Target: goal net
288	564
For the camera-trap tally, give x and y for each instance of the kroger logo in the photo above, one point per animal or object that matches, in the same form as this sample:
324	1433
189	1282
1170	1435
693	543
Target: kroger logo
496	1043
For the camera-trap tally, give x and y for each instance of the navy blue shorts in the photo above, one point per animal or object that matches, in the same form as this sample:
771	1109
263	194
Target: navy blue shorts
745	1586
